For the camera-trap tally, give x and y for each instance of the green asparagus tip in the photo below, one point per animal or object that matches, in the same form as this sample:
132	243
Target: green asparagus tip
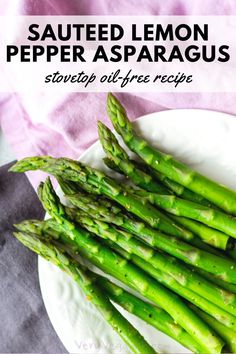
118	116
32	242
114	104
68	187
27	225
23	238
103	131
40	190
20	226
100	124
110	144
110	164
110	97
28	163
43	247
49	198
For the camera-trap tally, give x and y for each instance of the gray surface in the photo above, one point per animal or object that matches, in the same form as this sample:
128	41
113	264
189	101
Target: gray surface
6	153
24	324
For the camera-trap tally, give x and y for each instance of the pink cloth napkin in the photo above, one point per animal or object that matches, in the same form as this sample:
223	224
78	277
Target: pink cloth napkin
65	124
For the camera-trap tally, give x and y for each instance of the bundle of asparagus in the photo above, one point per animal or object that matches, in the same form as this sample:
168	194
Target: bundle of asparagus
169	235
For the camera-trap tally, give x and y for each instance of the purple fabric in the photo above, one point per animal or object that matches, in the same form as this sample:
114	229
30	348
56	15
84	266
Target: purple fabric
119	7
65	125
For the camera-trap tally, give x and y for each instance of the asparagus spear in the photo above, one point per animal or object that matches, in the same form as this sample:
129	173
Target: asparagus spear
78	172
39	227
141	174
178	206
125	271
69	187
218	194
223	284
218	313
50	227
164	262
210	236
170	187
211	263
173	186
228	335
198	284
121	159
151	314
124	165
56	255
104	211
107	211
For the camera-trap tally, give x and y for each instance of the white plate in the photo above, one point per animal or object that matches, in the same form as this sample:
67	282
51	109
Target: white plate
205	140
